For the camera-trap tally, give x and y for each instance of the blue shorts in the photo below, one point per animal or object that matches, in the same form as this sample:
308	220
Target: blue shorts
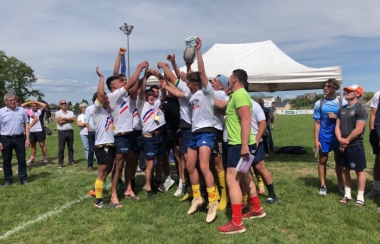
260	152
185	136
123	143
353	157
374	140
136	143
327	146
154	146
202	139
234	154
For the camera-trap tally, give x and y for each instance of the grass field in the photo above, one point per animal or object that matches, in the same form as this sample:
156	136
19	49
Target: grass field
55	207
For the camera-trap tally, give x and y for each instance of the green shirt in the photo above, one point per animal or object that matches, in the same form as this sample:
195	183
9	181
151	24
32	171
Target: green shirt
238	99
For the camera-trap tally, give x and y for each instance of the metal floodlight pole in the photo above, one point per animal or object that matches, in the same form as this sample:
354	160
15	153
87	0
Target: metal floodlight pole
127	29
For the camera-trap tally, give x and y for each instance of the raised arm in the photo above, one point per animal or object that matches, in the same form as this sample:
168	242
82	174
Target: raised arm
167	72
135	77
173	90
116	67
100	91
171	59
201	66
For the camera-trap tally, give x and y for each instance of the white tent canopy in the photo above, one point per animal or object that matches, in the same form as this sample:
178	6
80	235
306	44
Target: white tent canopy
268	68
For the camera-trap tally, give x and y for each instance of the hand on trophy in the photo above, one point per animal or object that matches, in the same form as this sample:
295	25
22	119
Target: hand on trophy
199	43
122	51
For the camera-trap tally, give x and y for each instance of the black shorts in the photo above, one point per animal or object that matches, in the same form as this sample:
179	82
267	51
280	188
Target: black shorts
218	144
260	152
37	136
185	135
374	140
171	139
353	157
105	155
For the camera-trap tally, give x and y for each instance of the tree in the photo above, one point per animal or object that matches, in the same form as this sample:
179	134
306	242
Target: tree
69	105
368	96
84	101
77	109
16	77
278	99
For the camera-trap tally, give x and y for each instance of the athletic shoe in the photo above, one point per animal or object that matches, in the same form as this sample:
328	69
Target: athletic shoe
169	184
245	206
73	164
254	214
178	192
1	168
149	195
212	209
185	197
340	190
91	193
144	187
323	191
261	189
161	187
231	228
373	193
195	203
45	162
102	205
271	200
60	166
29	161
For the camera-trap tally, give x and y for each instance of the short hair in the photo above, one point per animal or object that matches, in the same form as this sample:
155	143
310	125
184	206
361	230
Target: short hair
334	83
194	77
18	99
94	96
110	79
83	105
241	75
149	90
154	87
8	95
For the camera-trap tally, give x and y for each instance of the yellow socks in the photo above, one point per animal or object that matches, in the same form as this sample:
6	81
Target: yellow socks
196	190
211	194
99	189
223	190
245	199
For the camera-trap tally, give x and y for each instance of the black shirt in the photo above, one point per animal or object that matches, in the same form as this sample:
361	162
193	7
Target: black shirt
171	113
348	117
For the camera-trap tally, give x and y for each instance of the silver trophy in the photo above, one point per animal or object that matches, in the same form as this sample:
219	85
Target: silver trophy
189	53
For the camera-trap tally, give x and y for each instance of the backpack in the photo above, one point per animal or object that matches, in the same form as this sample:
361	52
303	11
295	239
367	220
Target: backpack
297	150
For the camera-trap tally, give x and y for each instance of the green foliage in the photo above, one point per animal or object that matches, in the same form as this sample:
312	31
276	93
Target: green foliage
16	77
368	96
76	109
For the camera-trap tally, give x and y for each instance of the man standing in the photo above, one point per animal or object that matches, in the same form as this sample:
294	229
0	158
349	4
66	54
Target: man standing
374	125
241	142
14	135
37	133
325	113
349	130
65	119
83	133
90	134
272	114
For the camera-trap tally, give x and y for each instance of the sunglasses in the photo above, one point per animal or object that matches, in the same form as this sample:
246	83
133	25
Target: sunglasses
63	103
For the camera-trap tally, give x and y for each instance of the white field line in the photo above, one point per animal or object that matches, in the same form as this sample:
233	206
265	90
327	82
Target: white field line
43	217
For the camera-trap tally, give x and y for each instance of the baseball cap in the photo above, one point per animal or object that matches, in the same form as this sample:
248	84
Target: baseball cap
223	80
354	87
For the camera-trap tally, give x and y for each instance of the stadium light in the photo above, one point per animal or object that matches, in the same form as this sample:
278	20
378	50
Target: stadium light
127	29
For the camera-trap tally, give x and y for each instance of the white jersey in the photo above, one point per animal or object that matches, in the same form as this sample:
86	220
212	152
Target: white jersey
137	125
37	127
121	110
148	113
202	108
375	100
83	130
219	119
103	124
256	116
184	108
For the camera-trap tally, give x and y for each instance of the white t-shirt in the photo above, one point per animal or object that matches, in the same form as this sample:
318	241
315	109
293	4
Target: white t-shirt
202	107
37	127
68	114
184	108
375	100
103	124
147	114
121	110
83	129
137	125
219	119
256	116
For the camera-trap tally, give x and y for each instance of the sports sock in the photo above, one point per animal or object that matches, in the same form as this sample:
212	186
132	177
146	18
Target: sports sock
196	190
99	189
223	190
168	179
360	196
180	183
211	194
376	185
347	192
255	203
259	180
270	189
236	213
245	199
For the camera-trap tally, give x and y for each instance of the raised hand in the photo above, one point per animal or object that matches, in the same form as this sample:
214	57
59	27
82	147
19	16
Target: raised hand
199	43
161	65
122	51
170	58
98	72
143	65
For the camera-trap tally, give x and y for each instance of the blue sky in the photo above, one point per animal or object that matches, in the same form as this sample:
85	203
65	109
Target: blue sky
64	41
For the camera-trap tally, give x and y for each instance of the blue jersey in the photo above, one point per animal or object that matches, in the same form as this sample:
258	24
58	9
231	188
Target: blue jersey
327	125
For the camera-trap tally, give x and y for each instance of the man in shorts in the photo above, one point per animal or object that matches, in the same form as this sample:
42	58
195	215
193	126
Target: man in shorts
349	130
325	113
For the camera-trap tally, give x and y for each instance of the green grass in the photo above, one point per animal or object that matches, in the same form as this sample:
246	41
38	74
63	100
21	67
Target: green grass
302	216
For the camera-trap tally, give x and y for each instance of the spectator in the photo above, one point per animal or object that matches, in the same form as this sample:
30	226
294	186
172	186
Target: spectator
83	131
